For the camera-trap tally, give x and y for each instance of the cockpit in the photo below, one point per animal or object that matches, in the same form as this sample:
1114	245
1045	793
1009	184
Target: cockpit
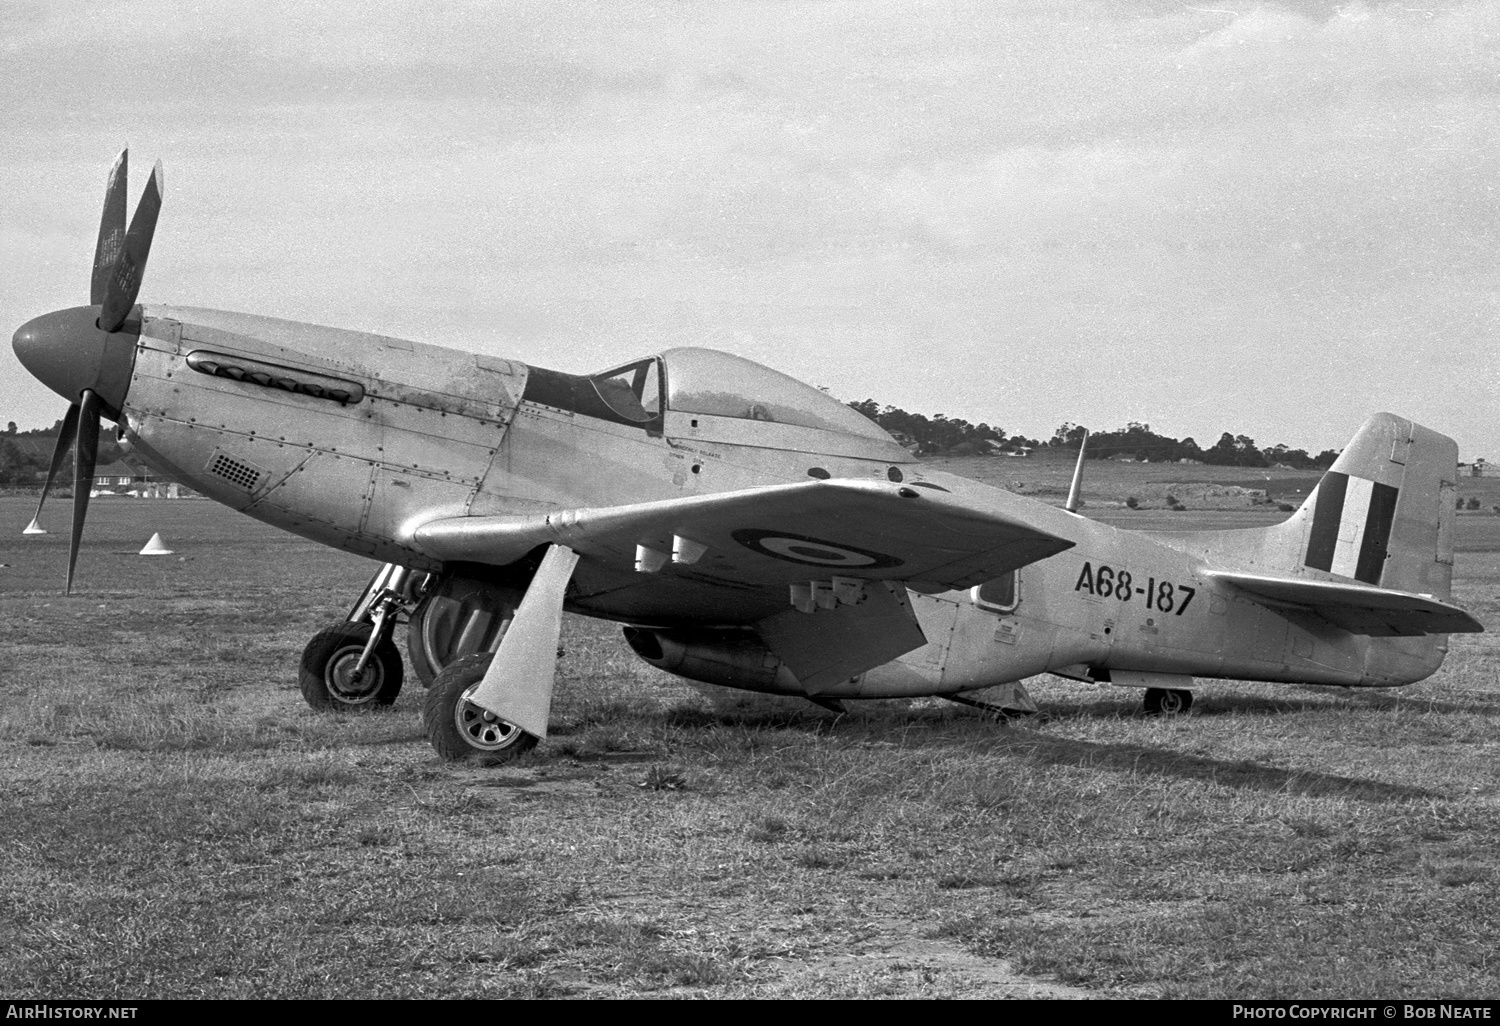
706	394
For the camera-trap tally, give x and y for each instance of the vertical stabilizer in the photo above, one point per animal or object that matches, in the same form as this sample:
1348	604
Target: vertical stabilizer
1383	514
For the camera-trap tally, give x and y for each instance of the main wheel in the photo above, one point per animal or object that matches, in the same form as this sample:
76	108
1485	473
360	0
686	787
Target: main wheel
1168	701
327	676
458	728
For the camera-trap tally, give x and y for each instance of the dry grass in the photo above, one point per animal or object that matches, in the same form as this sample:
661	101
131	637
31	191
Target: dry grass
177	823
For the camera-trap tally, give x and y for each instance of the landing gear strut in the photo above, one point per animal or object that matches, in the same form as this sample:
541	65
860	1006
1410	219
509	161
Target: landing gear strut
1168	701
486	648
355	664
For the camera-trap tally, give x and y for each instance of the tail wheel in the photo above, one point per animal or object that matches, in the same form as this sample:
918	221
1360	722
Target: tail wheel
1168	701
328	678
459	729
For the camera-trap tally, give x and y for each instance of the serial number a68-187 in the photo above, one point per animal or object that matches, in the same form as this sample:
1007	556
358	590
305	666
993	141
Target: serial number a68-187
1109	582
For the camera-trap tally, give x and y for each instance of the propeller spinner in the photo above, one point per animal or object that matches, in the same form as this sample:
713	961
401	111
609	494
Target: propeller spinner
86	353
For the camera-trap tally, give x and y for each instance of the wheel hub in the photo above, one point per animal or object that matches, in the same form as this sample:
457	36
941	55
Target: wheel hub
482	728
346	685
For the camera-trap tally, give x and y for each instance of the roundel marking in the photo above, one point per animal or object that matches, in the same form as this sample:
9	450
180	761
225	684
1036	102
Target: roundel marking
798	548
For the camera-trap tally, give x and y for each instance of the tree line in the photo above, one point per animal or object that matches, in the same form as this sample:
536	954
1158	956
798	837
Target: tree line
20	464
941	435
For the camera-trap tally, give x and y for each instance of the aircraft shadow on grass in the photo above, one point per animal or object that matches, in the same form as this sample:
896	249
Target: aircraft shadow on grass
1035	745
1242	774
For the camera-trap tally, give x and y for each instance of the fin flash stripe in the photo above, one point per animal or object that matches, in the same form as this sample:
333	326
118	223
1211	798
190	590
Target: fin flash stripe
1351	529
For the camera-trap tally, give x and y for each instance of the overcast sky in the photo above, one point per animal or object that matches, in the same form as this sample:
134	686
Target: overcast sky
1269	218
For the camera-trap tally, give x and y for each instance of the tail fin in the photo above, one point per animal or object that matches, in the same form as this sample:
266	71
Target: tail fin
1383	515
1370	552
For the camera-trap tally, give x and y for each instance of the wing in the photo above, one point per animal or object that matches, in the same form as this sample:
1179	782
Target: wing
821	538
771	536
1358	609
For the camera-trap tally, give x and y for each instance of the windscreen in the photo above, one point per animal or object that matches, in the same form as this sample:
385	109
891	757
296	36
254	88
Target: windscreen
632	391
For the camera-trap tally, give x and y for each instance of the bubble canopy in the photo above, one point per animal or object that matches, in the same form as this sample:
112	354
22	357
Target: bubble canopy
721	385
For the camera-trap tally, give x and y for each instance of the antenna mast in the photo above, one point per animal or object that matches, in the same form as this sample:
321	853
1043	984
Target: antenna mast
1083	445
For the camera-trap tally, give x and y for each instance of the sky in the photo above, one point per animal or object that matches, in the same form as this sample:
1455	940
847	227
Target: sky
1269	219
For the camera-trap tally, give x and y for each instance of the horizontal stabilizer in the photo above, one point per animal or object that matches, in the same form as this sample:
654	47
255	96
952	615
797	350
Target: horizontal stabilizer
770	536
1358	609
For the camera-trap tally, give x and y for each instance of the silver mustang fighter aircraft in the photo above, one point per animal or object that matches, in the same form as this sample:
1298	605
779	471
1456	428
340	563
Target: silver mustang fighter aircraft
748	530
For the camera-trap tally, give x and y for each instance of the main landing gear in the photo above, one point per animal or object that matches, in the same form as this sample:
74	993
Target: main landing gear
486	650
1168	701
347	666
355	664
491	707
459	729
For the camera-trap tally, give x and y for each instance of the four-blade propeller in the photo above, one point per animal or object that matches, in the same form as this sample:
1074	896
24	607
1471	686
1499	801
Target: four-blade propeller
119	264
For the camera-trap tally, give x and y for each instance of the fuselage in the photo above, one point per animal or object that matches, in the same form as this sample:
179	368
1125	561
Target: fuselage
354	440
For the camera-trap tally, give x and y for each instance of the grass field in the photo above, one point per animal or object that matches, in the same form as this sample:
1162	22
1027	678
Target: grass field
176	823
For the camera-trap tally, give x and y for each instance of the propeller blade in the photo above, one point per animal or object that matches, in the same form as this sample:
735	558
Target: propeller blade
111	229
85	455
64	443
125	281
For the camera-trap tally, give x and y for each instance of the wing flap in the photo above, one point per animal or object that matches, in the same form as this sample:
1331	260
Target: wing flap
1358	609
828	646
772	535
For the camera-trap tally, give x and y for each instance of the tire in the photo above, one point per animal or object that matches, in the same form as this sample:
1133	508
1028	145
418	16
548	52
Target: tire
1168	701
458	729
331	655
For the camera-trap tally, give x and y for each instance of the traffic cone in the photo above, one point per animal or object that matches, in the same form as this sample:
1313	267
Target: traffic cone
156	547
